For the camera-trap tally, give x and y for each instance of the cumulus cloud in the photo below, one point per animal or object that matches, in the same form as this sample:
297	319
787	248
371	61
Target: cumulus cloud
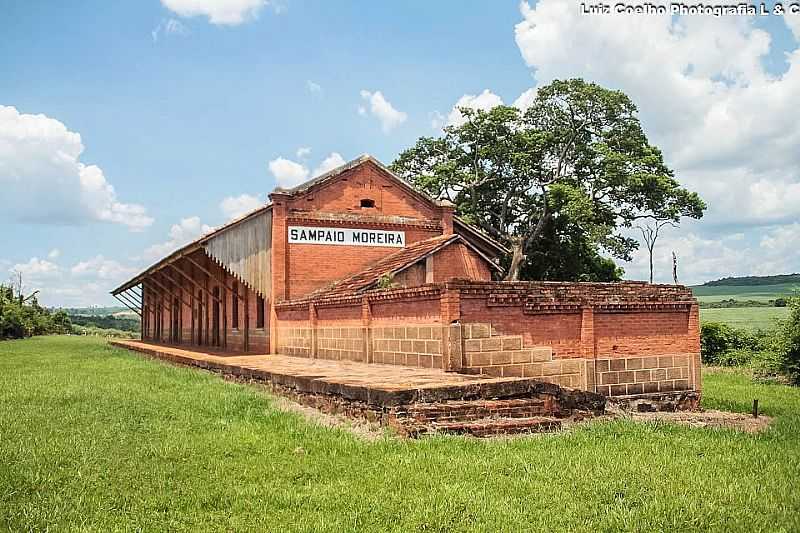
287	173
185	231
484	101
303	151
726	125
36	268
44	180
702	258
379	107
102	268
236	206
290	173
220	12
313	87
55	253
169	27
85	283
329	163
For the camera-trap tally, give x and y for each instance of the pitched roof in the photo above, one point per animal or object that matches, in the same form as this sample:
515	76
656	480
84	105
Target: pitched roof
469	233
390	265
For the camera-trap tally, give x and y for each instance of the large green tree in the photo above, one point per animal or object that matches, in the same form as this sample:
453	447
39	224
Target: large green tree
575	165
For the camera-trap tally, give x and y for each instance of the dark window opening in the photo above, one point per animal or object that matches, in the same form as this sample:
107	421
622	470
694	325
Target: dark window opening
259	311
235	305
367	202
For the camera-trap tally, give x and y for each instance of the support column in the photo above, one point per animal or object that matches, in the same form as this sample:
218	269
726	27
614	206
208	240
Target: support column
246	319
279	257
450	312
312	326
366	329
588	349
693	345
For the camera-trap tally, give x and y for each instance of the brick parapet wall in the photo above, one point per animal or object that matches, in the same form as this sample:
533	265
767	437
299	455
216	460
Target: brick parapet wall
616	339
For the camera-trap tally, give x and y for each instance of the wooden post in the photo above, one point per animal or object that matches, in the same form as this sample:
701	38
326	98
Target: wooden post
366	329
755	408
246	319
224	317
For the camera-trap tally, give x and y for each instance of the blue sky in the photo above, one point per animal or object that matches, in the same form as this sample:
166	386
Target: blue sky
181	105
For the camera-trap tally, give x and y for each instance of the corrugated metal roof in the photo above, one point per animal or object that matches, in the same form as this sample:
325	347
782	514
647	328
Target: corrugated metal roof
246	252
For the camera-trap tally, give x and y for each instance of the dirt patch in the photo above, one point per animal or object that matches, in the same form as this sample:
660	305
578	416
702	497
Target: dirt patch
706	419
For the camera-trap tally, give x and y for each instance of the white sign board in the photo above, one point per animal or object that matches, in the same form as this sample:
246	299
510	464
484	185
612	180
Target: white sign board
346	236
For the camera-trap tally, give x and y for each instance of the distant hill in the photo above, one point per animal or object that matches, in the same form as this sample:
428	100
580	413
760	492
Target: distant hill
751	281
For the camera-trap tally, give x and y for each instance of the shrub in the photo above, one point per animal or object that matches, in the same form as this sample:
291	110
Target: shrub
718	339
790	340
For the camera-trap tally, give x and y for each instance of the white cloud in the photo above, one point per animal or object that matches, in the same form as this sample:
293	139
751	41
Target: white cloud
382	109
329	163
236	206
702	259
85	283
55	253
169	27
187	230
220	12
288	173
303	151
484	101
44	181
726	125
102	268
313	87
36	268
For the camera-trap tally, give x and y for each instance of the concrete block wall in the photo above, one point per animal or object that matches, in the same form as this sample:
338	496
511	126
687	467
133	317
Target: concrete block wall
418	345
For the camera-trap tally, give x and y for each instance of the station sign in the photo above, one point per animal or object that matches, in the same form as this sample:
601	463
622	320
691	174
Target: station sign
346	236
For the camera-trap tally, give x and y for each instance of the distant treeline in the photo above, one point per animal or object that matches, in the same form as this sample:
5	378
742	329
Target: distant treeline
731	303
107	322
754	280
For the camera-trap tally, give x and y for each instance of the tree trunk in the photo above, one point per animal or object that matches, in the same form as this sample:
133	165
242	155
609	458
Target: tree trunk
517	259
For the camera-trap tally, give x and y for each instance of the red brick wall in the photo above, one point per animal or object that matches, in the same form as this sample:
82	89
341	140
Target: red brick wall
459	261
344	195
561	331
312	266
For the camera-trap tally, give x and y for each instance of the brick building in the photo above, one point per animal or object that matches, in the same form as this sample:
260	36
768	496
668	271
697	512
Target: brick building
358	265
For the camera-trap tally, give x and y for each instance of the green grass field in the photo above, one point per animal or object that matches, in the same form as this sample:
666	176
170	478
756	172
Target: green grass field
98	439
745	317
760	293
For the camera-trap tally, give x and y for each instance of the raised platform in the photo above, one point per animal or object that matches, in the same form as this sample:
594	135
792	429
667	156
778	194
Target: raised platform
392	392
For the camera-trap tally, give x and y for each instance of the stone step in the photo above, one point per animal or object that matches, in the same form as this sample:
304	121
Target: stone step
461	411
498	426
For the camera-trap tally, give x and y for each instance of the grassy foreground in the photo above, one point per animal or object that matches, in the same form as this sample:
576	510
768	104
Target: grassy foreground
96	438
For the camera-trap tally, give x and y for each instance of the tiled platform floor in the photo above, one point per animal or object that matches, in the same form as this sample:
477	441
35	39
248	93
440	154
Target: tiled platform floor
376	384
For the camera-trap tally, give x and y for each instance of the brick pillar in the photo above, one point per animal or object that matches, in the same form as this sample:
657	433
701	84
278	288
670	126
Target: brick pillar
366	329
693	344
446	209
588	348
279	257
312	324
452	348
